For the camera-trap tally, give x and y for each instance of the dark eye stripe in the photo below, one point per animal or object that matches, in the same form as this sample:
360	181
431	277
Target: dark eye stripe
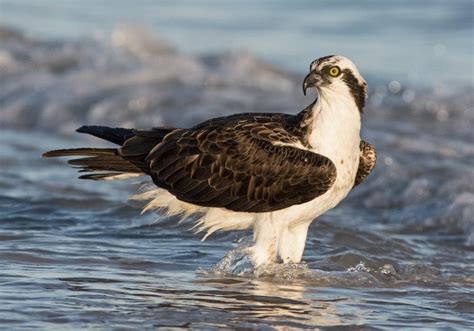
358	89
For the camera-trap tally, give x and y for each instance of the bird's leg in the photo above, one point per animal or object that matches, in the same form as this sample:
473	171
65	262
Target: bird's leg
265	236
292	240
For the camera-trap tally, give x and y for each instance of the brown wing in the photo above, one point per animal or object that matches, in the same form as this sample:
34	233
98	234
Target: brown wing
368	158
235	164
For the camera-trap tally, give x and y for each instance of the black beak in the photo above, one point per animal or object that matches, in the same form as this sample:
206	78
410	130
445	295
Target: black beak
311	80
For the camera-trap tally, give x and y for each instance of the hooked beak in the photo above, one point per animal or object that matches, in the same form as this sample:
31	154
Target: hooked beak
311	80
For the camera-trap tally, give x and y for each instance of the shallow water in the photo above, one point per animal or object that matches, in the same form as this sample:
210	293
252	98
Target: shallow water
77	253
398	252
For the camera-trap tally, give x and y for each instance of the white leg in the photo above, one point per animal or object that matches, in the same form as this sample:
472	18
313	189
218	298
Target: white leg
291	243
265	236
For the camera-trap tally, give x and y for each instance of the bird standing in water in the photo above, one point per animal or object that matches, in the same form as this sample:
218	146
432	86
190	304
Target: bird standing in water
272	172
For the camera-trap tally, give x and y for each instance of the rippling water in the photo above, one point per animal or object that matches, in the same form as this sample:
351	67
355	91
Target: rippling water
398	252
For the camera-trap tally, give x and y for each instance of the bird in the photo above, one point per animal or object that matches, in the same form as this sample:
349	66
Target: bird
273	173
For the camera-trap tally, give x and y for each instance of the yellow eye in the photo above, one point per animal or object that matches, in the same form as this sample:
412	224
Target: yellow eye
334	71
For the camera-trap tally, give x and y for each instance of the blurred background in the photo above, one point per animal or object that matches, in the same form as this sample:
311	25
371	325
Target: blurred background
398	252
142	63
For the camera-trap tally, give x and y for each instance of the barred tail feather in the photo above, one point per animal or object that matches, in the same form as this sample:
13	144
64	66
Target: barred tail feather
80	152
115	135
100	163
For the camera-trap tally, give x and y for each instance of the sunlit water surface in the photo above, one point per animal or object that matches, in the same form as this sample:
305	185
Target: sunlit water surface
398	252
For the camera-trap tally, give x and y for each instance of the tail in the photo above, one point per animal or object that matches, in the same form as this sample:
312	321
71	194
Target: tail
113	163
101	163
117	136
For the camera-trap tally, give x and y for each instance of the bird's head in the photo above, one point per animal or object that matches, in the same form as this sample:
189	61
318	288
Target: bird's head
338	74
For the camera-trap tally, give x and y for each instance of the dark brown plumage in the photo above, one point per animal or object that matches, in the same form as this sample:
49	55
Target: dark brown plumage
368	158
241	162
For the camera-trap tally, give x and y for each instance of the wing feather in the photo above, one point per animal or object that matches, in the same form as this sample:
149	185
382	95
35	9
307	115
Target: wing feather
242	164
368	158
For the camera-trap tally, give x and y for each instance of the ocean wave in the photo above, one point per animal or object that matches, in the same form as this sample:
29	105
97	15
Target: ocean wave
133	78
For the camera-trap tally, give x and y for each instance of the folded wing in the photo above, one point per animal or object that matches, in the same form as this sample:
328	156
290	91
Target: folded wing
247	165
368	158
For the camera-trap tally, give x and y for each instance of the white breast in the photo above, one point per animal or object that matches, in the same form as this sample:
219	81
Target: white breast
336	135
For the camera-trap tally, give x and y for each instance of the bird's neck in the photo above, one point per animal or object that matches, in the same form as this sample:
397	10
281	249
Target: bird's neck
333	122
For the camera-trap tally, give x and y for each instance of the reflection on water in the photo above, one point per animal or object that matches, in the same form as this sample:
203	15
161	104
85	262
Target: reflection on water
285	305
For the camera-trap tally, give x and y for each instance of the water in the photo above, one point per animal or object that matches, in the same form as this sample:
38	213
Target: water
397	253
423	41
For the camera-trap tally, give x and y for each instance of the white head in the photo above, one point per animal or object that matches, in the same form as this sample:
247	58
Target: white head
338	74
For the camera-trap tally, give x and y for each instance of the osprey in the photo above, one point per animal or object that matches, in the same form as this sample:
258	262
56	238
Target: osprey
272	172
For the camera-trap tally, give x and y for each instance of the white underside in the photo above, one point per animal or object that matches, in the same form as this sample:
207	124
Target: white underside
283	233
